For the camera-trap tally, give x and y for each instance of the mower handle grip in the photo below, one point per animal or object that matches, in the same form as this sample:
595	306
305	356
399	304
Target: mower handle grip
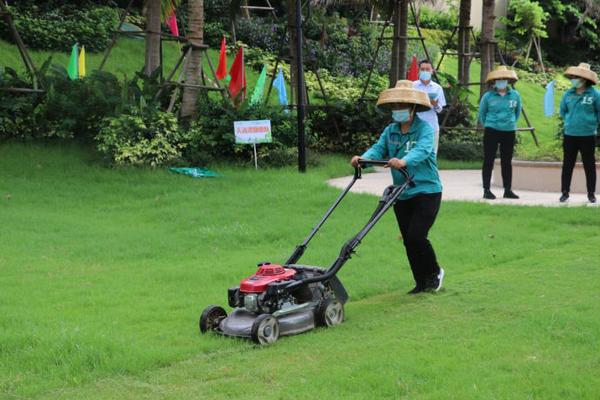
363	163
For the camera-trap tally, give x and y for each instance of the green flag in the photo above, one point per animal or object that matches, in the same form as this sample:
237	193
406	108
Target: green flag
74	63
257	94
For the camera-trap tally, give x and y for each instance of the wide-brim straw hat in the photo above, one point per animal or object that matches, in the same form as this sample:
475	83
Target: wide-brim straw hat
404	94
584	71
501	72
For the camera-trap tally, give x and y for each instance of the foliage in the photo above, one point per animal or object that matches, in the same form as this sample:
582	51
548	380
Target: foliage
60	27
526	17
142	138
212	137
435	19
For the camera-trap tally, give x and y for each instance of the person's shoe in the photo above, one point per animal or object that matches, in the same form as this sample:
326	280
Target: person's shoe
434	284
509	194
417	289
592	197
487	194
564	197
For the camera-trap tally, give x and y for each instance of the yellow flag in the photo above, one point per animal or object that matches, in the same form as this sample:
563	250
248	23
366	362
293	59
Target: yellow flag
82	62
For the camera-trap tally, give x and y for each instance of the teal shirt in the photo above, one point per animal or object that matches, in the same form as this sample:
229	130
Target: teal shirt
580	112
416	148
500	112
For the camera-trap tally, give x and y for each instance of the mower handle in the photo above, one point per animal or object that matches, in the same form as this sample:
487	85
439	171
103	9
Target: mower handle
363	163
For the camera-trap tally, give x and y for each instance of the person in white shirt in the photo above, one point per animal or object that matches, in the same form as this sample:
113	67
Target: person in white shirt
436	97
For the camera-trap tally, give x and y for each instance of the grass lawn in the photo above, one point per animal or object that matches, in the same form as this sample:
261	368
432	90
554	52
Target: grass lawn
105	272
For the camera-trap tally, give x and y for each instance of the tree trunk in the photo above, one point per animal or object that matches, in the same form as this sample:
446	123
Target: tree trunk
487	42
245	11
193	70
400	43
464	43
291	28
153	26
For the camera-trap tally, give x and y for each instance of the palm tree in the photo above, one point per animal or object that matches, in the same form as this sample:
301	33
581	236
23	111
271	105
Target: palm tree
464	44
193	68
487	46
153	26
156	11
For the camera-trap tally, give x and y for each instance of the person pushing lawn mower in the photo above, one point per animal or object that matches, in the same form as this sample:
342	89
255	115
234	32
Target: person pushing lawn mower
408	142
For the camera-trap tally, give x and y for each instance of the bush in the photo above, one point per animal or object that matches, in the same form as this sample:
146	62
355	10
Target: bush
61	27
212	137
435	19
142	138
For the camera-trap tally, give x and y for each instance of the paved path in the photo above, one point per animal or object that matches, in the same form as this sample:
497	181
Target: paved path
464	185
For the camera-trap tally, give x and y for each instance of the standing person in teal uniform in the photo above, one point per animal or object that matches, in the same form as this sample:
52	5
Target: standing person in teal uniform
580	111
499	110
408	142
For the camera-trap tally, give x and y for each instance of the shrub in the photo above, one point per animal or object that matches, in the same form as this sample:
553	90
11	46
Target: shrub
60	27
142	138
212	136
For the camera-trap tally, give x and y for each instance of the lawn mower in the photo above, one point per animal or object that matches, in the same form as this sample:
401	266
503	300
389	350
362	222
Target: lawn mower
288	299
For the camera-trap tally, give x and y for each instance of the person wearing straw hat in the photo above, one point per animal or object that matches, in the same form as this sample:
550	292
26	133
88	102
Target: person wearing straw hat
580	111
499	110
408	143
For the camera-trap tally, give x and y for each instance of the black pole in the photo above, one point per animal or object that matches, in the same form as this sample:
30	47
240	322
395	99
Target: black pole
300	90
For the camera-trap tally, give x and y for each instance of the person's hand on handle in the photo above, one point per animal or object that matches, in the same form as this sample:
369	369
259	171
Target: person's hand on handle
395	163
354	161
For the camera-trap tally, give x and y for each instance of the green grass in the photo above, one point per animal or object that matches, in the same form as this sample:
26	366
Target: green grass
105	272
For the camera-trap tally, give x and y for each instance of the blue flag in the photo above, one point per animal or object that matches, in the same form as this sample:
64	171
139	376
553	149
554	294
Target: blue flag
549	100
279	84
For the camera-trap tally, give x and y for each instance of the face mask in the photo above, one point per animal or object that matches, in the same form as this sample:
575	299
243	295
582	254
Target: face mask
576	83
425	75
401	116
501	84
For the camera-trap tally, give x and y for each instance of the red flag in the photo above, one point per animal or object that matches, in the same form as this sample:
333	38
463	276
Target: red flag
172	24
413	73
238	76
222	68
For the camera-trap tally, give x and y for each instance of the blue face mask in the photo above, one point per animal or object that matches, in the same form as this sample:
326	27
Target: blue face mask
501	84
401	116
576	83
425	75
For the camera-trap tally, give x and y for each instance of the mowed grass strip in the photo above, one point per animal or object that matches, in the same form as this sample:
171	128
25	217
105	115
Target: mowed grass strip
105	272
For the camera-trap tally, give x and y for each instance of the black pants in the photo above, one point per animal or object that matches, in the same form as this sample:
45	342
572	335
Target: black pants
415	217
585	145
491	139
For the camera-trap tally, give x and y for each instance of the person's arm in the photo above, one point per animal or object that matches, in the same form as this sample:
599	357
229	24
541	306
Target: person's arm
441	100
483	109
519	107
597	104
379	150
422	149
563	106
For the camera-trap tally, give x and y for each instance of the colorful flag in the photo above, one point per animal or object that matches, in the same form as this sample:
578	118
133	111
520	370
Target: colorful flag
279	84
82	62
238	77
222	68
549	100
172	24
413	73
259	89
73	69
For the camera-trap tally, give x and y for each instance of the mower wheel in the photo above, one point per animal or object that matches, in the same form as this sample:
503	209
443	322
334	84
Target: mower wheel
330	313
211	317
265	329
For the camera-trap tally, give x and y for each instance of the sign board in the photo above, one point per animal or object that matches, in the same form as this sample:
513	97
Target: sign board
252	132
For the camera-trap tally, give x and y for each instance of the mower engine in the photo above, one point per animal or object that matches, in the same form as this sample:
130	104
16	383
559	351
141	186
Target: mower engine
252	294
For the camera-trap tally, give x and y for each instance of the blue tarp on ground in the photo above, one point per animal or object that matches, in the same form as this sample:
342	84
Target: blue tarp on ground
195	172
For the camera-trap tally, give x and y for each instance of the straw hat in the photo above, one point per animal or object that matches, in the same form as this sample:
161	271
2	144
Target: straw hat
584	71
404	93
501	72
